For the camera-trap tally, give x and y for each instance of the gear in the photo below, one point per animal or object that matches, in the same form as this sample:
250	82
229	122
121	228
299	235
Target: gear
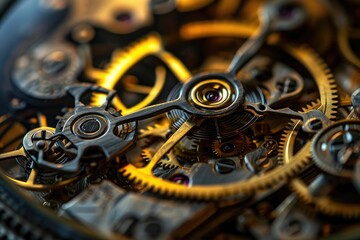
123	60
286	145
326	147
61	62
291	164
148	137
36	145
185	149
325	204
205	120
159	131
336	148
169	161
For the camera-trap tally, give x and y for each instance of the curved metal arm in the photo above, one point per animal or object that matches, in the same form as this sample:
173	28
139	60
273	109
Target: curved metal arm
251	47
150	111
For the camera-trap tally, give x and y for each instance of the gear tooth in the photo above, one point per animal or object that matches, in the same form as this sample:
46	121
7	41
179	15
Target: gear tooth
334	88
138	181
146	154
130	177
134	179
282	139
194	147
163	191
144	184
145	142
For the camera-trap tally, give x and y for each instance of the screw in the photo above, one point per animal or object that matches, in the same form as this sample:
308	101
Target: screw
51	204
152	227
224	166
40	144
315	124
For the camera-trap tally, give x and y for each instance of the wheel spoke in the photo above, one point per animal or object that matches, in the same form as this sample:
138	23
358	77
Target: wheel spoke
16	153
172	141
32	177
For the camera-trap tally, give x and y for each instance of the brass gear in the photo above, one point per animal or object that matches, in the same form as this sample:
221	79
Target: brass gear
325	204
286	144
159	131
123	59
169	162
292	165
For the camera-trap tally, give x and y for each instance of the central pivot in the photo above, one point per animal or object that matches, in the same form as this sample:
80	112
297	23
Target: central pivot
90	126
212	94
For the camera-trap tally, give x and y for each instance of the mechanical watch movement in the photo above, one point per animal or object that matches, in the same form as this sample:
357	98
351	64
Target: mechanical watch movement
180	119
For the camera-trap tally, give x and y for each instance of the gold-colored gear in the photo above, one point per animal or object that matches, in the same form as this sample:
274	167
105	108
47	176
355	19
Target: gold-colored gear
159	131
169	162
325	204
287	139
123	59
292	164
146	154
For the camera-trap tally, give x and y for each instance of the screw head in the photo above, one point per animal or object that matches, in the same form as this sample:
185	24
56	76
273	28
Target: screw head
225	165
315	124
